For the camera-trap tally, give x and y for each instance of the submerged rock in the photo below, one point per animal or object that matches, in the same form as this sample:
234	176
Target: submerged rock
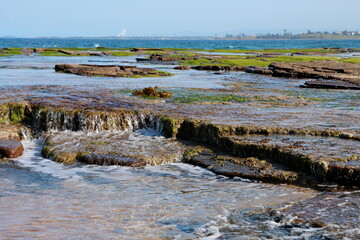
11	148
108	70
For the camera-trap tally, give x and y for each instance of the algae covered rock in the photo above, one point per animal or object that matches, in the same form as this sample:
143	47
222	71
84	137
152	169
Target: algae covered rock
330	70
108	70
152	92
111	159
250	168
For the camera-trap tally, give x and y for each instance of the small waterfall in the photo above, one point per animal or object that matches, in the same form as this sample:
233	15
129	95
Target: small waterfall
60	120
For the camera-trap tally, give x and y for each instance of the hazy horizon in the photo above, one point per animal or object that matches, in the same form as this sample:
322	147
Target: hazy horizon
95	18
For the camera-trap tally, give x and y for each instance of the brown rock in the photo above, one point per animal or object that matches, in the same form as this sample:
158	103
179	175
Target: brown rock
152	92
106	70
258	70
218	68
9	131
250	168
146	49
330	84
182	67
28	51
109	159
311	53
11	148
38	50
332	70
317	224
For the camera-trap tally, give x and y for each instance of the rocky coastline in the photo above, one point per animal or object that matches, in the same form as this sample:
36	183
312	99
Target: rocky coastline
260	137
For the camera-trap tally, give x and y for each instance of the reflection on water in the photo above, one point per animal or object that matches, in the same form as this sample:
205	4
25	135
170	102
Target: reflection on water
44	199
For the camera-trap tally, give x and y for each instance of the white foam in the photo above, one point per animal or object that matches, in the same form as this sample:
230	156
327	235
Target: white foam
32	159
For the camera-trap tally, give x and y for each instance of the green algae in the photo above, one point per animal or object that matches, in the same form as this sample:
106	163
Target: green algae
254	61
274	50
13	112
8	52
120	53
170	126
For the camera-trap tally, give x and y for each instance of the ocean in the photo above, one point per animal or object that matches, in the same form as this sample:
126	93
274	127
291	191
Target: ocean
190	44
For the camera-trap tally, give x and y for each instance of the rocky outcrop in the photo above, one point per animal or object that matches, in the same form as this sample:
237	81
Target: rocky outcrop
330	84
331	70
218	68
66	52
13	131
250	168
311	53
152	92
111	159
272	154
108	70
321	161
182	67
11	148
147	49
258	70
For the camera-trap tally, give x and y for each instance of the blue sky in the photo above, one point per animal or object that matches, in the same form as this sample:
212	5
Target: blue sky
35	18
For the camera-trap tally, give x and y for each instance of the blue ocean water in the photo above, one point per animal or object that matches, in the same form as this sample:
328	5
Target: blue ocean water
200	44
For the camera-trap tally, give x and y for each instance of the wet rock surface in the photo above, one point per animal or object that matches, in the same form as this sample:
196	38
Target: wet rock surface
152	92
112	148
11	131
332	70
258	70
272	106
11	148
333	212
182	67
111	159
66	52
330	84
107	70
218	68
249	168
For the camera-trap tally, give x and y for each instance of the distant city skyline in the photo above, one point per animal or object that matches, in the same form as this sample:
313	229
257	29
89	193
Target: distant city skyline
125	18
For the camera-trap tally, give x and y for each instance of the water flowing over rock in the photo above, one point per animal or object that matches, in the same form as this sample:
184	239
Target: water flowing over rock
111	135
107	70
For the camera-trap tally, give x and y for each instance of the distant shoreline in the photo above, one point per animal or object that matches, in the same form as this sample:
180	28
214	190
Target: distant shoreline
331	37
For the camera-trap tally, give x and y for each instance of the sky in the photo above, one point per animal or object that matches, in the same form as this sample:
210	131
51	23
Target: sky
96	18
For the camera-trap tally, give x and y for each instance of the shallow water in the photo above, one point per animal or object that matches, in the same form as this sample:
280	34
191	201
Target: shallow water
42	199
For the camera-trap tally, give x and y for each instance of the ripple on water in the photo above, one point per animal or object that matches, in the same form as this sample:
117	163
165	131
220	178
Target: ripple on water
90	201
